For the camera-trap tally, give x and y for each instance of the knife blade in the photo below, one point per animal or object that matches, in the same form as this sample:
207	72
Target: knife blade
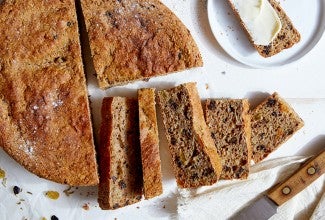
266	206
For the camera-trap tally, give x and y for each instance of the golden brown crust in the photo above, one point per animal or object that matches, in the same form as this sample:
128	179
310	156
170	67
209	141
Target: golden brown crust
248	130
136	39
273	122
202	130
104	154
286	38
149	141
44	113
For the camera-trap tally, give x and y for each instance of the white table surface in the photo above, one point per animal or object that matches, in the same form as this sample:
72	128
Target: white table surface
302	84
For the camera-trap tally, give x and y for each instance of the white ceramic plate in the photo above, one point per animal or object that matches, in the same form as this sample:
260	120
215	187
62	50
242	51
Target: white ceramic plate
307	16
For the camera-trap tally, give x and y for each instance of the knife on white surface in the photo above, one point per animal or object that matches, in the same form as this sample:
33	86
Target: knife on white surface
266	206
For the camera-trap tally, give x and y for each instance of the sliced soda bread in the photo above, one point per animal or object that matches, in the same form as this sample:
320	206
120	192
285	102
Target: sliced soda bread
120	182
286	38
273	122
194	155
149	142
229	123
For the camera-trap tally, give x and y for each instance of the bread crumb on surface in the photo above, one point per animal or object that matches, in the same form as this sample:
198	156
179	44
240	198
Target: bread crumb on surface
85	207
3	177
16	190
52	194
4	182
2	174
69	191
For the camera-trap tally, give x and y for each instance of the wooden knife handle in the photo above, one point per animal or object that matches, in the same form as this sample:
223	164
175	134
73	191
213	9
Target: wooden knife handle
302	178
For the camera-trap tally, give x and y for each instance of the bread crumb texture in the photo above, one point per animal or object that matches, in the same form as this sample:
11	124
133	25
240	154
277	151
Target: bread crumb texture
119	154
273	122
229	123
195	158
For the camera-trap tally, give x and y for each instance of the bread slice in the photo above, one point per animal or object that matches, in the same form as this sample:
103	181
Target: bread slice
195	158
273	122
136	39
286	38
44	111
119	154
229	123
149	142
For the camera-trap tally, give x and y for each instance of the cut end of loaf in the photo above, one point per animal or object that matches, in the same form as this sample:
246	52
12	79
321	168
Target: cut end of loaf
195	159
273	122
229	124
119	154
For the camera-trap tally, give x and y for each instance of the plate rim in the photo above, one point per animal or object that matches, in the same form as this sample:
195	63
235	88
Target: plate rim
306	49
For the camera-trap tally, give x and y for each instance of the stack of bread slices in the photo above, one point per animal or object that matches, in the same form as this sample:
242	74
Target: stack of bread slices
129	161
215	141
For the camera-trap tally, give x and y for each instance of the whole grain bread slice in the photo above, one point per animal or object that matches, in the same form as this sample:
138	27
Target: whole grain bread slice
273	122
149	142
119	154
229	123
286	38
45	120
194	155
136	39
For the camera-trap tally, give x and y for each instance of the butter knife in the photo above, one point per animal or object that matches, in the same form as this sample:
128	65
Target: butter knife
266	206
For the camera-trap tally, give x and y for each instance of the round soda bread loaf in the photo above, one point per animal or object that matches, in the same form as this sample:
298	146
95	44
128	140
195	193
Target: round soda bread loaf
44	111
136	39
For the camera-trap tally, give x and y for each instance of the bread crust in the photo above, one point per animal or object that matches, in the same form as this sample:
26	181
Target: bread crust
44	111
136	40
149	142
202	130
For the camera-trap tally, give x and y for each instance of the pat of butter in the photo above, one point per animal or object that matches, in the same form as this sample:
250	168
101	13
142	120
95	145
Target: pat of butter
260	20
